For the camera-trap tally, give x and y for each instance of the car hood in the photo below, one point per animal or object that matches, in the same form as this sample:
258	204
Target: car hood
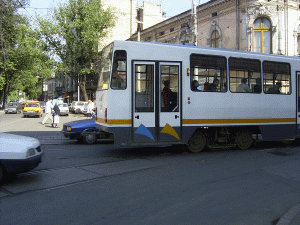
13	140
81	123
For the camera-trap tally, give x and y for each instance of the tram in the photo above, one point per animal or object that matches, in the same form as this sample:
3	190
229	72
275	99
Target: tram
159	93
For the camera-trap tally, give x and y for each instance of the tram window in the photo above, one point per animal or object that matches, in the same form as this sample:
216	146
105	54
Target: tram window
119	71
169	88
208	73
144	88
277	77
105	67
245	75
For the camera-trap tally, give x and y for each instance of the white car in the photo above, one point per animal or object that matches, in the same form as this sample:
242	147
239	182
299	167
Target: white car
77	107
64	109
18	154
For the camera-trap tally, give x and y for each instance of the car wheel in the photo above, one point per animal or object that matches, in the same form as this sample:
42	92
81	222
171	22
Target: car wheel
90	139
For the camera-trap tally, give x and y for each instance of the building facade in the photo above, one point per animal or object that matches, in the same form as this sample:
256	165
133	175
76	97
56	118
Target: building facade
266	26
129	16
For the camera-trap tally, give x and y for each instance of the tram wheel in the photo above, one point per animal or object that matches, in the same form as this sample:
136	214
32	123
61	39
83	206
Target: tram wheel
197	142
243	139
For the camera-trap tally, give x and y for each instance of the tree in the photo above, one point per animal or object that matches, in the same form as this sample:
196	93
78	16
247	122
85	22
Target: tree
22	53
79	26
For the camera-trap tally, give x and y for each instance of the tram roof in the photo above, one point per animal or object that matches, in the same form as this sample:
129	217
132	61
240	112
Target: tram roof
192	46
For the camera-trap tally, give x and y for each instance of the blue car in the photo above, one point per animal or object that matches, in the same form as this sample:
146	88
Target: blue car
82	130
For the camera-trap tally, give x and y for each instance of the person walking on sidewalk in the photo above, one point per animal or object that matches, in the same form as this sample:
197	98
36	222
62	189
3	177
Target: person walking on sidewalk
56	115
48	110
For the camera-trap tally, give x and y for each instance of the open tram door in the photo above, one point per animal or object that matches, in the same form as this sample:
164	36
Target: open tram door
156	102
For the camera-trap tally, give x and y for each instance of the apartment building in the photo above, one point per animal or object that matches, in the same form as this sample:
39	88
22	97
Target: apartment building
265	26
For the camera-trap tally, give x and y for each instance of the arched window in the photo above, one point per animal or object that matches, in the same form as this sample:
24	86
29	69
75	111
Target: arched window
262	36
215	39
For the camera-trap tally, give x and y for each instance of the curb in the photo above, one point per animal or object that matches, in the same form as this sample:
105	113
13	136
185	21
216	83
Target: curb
289	216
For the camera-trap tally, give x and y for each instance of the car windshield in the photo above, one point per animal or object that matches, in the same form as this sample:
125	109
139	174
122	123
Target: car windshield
12	104
63	105
32	105
80	103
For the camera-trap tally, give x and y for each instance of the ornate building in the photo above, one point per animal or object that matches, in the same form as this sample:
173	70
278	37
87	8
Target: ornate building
265	26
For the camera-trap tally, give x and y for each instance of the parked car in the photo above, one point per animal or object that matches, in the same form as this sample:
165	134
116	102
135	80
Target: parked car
32	109
13	107
84	130
77	107
18	154
64	110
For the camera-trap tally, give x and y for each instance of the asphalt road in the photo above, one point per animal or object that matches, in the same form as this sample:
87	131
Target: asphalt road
103	184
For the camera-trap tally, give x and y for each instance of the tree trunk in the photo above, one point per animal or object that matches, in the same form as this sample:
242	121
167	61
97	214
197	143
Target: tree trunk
83	91
5	94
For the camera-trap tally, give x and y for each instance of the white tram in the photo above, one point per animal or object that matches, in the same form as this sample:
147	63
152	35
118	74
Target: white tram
154	93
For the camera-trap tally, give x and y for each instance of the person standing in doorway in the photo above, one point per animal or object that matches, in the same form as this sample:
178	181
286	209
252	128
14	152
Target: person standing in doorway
48	110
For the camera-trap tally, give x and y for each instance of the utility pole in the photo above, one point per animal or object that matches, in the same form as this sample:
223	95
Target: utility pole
194	19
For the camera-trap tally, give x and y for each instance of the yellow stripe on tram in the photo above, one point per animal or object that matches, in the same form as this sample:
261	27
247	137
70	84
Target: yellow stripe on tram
115	122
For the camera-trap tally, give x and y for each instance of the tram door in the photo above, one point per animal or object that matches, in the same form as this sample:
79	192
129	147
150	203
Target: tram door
156	102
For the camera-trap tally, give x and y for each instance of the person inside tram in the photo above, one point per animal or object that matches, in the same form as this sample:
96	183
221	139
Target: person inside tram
214	85
195	85
167	95
275	89
243	87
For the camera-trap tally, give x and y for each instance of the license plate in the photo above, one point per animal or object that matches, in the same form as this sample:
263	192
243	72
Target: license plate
30	111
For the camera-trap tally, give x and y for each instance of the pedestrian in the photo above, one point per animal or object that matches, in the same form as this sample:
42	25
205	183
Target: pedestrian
48	110
55	115
90	108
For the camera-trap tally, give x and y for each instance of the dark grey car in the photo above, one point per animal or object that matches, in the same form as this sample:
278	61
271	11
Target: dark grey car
13	107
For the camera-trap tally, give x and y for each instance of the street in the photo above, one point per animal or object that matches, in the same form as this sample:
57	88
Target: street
105	184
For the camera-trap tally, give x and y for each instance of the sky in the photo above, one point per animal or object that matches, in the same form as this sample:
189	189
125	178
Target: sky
170	7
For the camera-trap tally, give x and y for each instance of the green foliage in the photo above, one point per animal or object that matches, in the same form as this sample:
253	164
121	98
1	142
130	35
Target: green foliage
23	55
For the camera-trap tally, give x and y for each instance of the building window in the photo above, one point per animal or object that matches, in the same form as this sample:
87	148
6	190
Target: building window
214	14
215	39
171	29
148	39
262	36
187	25
161	33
